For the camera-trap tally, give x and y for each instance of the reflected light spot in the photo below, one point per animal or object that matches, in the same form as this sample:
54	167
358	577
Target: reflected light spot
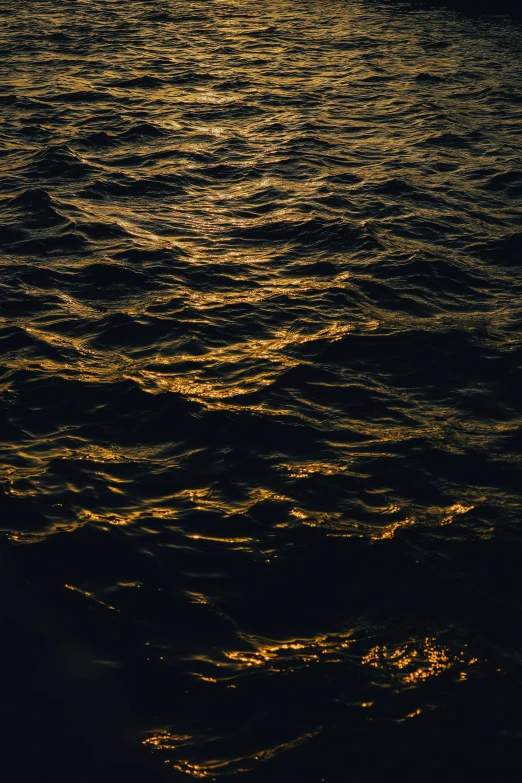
92	597
413	663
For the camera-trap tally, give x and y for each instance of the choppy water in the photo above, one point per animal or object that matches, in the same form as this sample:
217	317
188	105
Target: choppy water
260	383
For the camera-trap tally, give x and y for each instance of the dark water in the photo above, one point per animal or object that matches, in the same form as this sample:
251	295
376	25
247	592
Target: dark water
260	386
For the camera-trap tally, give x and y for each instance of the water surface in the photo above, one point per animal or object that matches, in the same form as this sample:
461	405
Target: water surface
260	326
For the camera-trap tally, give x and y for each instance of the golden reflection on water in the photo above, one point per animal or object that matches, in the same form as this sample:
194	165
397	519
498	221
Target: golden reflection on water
92	597
414	662
376	132
403	666
278	655
406	664
388	531
270	652
165	741
194	385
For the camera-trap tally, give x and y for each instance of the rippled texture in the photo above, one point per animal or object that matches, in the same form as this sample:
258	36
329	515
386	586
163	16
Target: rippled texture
261	370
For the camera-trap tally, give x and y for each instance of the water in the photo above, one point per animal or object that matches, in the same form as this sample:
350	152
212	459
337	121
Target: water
260	389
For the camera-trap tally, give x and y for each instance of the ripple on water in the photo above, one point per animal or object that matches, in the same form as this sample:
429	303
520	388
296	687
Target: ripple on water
261	363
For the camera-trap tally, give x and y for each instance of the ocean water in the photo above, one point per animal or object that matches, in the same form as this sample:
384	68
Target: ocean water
260	382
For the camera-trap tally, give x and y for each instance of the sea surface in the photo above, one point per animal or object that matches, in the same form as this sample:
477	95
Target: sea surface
260	390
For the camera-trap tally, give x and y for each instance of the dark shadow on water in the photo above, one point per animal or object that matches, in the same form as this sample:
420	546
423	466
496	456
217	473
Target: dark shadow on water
511	8
66	713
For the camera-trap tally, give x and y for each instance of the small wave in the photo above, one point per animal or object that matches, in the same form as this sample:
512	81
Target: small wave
509	182
396	187
437	45
451	140
106	277
146	82
98	139
56	244
506	250
144	130
59	161
59	36
314	232
431	78
34	199
79	96
38	211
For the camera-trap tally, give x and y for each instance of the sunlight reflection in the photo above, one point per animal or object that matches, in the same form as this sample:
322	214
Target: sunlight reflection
278	655
167	742
412	663
92	597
